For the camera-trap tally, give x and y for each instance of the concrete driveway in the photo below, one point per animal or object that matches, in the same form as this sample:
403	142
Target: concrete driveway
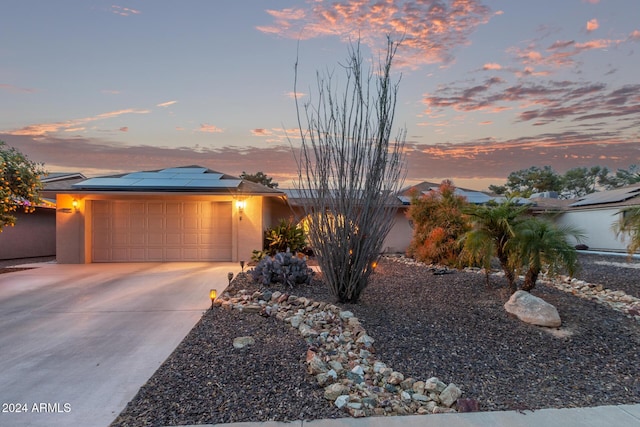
78	341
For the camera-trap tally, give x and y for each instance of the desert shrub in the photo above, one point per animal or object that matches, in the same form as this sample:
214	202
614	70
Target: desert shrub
286	236
439	223
283	267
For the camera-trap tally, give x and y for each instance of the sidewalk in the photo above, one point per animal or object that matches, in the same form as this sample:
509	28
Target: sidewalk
600	416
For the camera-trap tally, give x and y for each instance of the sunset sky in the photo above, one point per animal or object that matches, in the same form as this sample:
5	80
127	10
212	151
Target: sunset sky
487	88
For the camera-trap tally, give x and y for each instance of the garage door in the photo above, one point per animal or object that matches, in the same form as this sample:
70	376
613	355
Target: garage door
139	231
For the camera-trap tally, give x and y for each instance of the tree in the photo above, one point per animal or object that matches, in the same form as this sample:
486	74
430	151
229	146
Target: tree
578	182
349	170
19	184
492	233
532	180
539	244
629	222
259	178
623	177
438	224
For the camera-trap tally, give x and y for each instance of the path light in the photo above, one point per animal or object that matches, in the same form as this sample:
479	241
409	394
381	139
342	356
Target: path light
230	277
213	294
374	264
242	265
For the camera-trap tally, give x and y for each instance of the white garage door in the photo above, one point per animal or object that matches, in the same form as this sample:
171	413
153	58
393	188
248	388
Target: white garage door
139	231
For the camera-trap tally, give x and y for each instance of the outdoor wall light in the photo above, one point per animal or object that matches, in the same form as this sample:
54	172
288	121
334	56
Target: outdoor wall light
241	204
212	295
75	205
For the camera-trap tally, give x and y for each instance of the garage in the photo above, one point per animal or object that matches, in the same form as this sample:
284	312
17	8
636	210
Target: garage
141	231
181	214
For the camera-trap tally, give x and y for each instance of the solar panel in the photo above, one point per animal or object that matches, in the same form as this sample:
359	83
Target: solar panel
169	179
611	196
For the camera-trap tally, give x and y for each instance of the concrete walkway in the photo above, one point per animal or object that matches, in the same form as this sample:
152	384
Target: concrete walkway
78	341
601	416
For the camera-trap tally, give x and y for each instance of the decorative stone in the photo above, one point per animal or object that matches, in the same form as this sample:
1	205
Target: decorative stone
336	366
434	384
366	340
243	342
341	401
395	378
344	315
531	309
449	395
315	365
334	390
420	397
295	321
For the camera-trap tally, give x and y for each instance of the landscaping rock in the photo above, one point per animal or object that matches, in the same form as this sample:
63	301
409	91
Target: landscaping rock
243	342
533	310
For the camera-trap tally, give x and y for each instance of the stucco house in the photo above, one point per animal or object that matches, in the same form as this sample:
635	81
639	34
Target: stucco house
34	234
177	214
596	213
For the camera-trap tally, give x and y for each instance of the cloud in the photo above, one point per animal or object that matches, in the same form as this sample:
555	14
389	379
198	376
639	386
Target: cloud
110	91
634	36
16	89
430	30
124	129
166	104
124	11
492	66
261	132
210	128
42	129
481	158
592	25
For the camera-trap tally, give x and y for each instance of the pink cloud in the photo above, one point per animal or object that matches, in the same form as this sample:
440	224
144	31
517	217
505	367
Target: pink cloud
124	11
124	129
41	129
210	128
430	31
635	35
492	66
592	25
166	104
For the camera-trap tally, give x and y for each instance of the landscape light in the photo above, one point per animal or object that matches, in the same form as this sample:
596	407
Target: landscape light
230	277
242	265
212	295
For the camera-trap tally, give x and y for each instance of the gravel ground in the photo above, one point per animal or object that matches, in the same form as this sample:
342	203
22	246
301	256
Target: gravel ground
449	326
615	272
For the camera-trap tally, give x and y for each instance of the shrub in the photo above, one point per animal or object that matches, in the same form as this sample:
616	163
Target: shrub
439	223
285	268
286	236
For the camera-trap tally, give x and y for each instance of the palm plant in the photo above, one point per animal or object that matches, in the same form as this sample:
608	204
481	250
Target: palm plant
539	244
629	222
493	228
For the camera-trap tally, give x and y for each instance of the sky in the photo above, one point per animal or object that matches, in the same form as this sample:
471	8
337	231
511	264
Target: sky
485	87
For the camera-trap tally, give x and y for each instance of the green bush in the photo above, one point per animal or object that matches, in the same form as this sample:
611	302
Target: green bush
286	236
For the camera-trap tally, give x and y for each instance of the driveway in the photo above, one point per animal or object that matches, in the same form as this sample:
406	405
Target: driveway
78	341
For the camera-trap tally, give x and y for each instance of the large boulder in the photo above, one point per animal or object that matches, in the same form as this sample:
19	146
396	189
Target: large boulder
531	309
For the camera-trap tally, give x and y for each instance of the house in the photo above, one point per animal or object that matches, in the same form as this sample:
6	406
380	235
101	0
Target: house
187	213
596	213
34	234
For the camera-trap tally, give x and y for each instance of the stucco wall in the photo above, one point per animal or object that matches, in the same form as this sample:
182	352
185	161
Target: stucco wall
399	238
34	235
596	225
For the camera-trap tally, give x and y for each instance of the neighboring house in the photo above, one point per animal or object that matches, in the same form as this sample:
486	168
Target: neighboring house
596	213
34	234
177	214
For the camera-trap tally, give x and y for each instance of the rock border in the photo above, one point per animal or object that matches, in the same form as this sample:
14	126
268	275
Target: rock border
341	357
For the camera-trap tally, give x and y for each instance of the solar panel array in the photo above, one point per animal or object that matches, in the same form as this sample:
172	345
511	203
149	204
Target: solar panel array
166	179
611	196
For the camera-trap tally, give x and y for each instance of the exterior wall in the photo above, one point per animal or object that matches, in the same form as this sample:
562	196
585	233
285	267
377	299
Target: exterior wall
34	235
399	238
73	227
596	224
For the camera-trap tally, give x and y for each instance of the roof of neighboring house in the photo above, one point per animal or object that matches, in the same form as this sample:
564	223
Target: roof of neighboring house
472	196
625	196
189	179
296	197
60	180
